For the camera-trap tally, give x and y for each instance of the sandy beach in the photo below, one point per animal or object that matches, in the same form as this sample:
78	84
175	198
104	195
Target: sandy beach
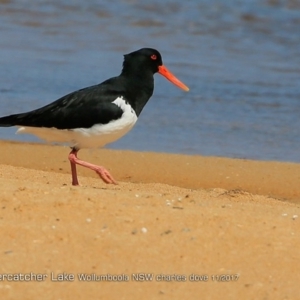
191	226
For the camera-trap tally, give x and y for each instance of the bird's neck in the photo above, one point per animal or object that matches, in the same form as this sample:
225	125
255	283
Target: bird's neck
139	87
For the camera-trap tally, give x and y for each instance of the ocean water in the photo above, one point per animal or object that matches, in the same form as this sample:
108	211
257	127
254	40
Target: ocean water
240	58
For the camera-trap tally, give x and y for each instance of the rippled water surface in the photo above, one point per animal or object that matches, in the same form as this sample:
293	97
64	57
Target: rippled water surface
241	60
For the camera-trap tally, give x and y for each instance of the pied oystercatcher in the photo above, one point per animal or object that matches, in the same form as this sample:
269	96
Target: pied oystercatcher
97	115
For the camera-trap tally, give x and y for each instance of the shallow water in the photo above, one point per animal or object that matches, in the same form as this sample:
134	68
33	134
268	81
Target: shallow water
241	60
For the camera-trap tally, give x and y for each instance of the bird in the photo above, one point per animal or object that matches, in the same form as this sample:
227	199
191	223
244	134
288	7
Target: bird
97	115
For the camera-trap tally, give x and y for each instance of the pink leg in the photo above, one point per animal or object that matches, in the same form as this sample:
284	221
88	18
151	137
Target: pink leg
102	172
73	168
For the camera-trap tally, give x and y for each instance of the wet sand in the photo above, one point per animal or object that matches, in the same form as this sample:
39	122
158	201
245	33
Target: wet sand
207	227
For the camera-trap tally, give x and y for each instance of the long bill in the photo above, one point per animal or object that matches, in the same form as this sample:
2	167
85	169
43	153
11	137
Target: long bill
166	73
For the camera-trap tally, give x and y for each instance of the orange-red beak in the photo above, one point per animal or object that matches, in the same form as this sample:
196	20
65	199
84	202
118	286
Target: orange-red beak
166	73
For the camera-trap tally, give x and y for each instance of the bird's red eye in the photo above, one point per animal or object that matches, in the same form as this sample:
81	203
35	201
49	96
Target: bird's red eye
153	56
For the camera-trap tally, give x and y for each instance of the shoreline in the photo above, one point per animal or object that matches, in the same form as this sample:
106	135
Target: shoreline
270	178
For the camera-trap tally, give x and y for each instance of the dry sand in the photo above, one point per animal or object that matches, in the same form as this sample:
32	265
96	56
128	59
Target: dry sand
234	223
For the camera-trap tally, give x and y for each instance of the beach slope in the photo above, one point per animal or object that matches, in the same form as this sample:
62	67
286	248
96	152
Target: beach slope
175	227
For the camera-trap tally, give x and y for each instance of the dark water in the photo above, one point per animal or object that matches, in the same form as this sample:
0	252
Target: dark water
241	60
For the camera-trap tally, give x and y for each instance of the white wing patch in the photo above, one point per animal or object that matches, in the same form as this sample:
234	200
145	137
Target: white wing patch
97	136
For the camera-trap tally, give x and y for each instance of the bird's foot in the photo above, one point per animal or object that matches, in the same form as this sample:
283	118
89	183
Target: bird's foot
75	182
104	175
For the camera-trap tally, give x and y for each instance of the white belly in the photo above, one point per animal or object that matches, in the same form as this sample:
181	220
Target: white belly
97	136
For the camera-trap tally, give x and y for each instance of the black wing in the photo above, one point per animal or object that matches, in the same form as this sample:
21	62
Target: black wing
81	109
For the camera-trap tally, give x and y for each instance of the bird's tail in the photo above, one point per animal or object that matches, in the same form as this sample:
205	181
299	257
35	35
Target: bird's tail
11	120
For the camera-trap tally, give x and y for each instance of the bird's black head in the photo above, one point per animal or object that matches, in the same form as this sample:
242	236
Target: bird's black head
145	59
146	62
